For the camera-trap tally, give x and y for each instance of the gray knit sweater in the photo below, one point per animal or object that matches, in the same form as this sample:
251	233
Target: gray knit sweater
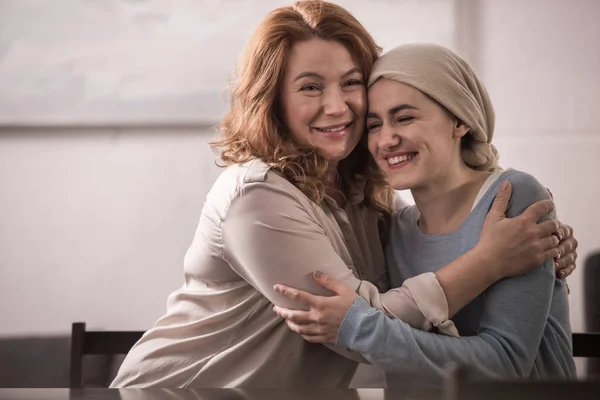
519	327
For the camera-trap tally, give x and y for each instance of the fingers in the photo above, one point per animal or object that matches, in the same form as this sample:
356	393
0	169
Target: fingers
500	203
565	261
567	246
564	231
312	333
304	329
565	265
548	228
563	273
550	242
295	294
538	210
296	316
329	283
568	231
302	323
546	255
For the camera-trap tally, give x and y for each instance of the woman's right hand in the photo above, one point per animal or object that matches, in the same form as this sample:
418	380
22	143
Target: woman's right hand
518	245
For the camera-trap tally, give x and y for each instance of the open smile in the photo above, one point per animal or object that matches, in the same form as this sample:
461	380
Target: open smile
395	161
335	130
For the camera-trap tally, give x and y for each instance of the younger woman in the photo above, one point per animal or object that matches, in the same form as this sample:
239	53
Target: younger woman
430	124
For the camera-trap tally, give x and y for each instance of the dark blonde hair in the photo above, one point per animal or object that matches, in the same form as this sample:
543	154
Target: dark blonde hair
253	128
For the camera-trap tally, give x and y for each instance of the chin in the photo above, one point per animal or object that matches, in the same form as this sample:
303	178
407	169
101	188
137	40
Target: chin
402	183
336	155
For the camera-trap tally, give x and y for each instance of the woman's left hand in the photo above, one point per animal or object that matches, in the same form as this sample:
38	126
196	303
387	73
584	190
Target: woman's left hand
320	324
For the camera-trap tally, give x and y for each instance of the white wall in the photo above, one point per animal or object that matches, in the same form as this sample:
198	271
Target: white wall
126	61
94	222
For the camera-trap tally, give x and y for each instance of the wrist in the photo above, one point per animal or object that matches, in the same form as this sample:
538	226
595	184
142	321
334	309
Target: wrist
494	268
350	326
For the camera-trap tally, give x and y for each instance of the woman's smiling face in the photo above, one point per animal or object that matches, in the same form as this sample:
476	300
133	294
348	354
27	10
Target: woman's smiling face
411	137
323	97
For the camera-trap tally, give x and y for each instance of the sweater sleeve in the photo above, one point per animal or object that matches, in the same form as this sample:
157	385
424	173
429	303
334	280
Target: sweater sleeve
511	328
271	236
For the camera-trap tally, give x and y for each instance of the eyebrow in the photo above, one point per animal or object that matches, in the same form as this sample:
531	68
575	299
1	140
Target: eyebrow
321	77
393	110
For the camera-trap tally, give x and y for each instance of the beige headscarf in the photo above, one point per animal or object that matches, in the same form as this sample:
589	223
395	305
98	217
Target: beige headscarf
448	79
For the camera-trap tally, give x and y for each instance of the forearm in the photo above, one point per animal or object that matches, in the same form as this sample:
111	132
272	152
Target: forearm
466	278
508	337
419	356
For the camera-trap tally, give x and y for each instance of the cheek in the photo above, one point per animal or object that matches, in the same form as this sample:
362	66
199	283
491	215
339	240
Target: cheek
441	152
357	101
299	112
372	144
445	141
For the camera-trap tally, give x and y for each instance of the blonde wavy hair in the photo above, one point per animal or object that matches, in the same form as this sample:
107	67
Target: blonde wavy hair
253	127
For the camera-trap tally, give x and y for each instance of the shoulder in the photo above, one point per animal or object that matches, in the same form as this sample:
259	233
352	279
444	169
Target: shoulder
237	175
527	185
526	190
404	217
407	211
255	183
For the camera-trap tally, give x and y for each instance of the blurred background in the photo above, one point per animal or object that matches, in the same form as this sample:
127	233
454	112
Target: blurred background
107	106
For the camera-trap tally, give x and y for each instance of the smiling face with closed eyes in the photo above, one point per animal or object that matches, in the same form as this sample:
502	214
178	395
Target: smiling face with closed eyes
323	97
412	138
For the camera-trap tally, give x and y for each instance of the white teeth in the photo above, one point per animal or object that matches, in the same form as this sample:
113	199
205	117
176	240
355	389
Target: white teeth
334	129
399	159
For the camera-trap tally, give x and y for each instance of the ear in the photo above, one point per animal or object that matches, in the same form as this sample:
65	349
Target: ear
460	129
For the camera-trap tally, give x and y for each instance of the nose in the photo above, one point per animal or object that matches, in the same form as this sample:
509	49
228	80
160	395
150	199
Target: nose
334	103
388	137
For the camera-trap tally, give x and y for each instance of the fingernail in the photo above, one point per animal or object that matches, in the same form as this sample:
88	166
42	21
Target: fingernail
558	235
276	288
504	185
557	256
561	274
318	274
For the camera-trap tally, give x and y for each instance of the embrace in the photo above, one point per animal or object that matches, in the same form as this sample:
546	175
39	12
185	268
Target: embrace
301	266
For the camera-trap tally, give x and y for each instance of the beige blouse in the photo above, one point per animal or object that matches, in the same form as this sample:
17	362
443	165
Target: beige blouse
256	230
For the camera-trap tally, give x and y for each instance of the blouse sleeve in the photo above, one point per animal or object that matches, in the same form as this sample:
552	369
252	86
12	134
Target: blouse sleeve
271	236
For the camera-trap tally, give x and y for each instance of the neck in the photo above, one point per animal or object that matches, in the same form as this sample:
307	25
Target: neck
445	202
332	185
331	179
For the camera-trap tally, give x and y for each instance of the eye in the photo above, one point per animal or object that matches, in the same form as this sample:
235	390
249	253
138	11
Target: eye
353	82
309	88
404	119
372	127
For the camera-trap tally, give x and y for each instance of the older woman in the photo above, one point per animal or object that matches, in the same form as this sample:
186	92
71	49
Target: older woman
430	125
299	194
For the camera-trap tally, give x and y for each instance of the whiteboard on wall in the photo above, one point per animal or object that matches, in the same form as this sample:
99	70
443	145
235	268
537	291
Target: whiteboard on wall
71	62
